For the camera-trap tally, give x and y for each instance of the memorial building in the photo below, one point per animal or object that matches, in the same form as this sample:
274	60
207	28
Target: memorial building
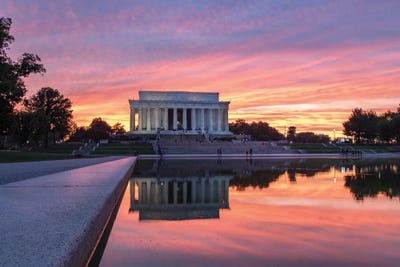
178	113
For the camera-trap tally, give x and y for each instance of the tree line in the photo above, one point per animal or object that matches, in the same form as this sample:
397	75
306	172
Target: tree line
366	126
257	130
97	130
261	131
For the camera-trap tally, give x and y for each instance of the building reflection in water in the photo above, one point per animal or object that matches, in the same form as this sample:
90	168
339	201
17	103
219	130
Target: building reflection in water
193	189
171	198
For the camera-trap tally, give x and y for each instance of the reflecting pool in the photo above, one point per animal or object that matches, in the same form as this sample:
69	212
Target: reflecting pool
269	212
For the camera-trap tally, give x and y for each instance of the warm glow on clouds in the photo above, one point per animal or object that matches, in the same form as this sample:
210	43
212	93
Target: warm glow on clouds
306	64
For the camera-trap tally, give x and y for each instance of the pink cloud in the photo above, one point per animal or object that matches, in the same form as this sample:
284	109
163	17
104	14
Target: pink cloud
300	65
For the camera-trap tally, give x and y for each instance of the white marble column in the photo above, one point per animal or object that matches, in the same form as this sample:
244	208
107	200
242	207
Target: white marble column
226	120
193	191
184	119
148	123
157	118
219	195
132	121
226	190
211	191
184	191
202	191
140	120
202	119
148	195
165	193
193	119
175	192
219	119
156	193
210	120
175	118
165	118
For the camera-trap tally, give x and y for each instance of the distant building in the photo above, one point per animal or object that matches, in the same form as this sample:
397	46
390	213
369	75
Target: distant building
178	112
343	140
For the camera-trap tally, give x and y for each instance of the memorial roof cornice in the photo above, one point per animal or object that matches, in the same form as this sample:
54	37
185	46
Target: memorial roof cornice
177	102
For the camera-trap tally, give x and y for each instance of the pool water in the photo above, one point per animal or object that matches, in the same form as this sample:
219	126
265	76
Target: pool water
258	213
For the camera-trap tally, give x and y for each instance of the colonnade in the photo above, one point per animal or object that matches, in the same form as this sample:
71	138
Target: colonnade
194	119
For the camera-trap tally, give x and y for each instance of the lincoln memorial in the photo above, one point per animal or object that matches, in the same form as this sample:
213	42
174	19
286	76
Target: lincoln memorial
178	112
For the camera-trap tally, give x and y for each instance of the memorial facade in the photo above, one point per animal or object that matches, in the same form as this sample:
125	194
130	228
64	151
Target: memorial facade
178	112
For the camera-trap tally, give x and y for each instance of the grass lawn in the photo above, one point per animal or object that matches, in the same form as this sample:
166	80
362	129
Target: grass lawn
378	148
315	148
123	149
18	156
53	152
63	148
64	151
328	148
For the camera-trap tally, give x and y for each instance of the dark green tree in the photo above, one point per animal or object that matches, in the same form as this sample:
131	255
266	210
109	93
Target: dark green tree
384	127
310	137
99	129
239	127
57	110
362	125
395	126
260	131
118	128
12	87
80	134
263	132
28	127
291	133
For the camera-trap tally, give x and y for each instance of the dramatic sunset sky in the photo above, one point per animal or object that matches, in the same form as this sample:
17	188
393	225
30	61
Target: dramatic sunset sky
301	63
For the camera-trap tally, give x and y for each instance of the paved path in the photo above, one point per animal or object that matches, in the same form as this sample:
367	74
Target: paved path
57	219
12	172
271	155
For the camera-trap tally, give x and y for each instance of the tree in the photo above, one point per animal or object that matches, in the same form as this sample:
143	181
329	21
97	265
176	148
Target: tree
385	129
28	127
310	137
395	126
263	132
99	129
291	134
12	87
362	125
118	128
258	130
80	134
57	110
239	127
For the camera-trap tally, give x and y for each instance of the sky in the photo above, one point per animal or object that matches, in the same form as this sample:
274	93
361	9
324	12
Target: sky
289	63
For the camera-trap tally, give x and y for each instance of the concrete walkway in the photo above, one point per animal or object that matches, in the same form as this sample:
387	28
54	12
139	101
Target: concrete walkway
12	172
57	219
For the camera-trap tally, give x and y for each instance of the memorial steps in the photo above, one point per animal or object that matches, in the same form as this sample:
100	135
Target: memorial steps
212	147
